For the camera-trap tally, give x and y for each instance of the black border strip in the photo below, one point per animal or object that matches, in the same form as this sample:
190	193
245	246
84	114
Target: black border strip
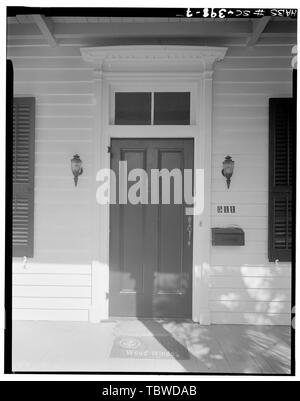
8	220
151	12
111	12
154	373
294	210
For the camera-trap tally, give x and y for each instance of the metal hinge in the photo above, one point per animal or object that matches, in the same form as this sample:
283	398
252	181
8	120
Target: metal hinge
109	149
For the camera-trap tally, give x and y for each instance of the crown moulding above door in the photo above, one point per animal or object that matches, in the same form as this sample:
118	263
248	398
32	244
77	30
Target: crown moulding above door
191	58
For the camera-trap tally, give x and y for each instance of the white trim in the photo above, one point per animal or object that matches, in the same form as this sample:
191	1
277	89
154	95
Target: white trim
106	56
138	84
114	68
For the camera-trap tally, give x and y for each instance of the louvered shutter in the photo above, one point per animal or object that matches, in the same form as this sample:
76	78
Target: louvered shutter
23	175
282	131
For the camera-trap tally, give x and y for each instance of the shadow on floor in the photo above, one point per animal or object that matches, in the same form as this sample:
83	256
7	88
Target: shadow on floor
219	348
179	346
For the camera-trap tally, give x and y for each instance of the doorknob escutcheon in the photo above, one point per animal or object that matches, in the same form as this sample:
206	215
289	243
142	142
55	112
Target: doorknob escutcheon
189	229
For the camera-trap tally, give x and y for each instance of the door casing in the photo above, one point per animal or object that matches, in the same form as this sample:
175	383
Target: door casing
199	82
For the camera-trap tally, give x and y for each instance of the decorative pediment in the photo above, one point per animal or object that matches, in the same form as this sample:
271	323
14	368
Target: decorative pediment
110	57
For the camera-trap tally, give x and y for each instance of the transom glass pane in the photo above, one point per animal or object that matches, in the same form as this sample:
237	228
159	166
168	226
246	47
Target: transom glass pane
132	108
172	108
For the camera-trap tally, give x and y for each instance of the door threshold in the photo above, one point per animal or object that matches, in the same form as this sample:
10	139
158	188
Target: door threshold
133	318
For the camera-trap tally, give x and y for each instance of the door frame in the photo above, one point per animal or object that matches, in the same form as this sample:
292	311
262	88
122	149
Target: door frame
113	72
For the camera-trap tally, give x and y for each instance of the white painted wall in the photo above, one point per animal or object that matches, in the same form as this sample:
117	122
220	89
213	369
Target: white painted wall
56	283
244	286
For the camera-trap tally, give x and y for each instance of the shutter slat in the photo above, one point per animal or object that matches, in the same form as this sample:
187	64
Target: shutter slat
282	221
281	139
281	154
23	175
22	128
20	221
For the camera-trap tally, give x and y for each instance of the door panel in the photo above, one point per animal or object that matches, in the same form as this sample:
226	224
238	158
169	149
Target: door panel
150	258
132	229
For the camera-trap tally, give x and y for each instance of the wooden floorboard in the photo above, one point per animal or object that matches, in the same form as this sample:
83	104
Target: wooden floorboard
82	346
235	350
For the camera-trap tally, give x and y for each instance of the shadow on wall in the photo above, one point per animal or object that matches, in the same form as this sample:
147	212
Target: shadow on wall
252	294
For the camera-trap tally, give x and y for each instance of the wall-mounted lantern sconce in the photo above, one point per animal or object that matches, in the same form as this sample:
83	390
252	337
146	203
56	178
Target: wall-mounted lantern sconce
77	170
228	165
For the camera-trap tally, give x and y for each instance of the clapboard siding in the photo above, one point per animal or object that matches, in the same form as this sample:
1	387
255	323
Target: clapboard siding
252	160
251	271
66	135
226	111
279	319
250	282
54	75
240	197
34	284
56	284
258	51
245	222
38	64
250	247
46	197
241	100
256	75
219	257
72	88
51	291
51	303
48	122
250	64
65	280
250	307
53	158
43	241
65	99
250	295
44	268
58	110
45	52
237	183
267	88
245	288
47	314
59	255
63	146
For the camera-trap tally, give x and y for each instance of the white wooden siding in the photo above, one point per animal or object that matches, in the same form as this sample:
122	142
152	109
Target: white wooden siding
44	291
245	287
56	284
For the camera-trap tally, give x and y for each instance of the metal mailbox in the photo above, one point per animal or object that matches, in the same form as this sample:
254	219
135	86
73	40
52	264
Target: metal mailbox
230	236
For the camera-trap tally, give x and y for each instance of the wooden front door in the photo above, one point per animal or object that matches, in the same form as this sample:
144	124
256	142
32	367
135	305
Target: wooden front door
151	244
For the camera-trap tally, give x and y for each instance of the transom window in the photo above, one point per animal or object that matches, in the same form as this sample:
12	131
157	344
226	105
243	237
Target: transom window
152	108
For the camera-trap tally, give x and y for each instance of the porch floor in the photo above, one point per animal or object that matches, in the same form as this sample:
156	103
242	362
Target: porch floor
150	346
